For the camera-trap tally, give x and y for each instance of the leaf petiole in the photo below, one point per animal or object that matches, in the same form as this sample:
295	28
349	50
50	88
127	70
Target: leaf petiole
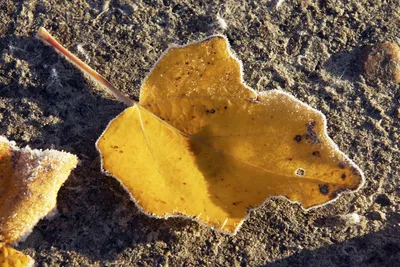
45	37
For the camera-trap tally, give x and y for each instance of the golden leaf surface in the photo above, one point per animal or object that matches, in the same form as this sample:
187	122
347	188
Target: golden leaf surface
9	257
29	184
202	144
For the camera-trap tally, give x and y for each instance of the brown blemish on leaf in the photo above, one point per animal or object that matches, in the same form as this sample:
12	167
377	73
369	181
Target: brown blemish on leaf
341	165
298	138
236	203
316	154
324	189
311	133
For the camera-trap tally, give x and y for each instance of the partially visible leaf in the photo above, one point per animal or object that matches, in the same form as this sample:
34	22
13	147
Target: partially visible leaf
29	184
10	257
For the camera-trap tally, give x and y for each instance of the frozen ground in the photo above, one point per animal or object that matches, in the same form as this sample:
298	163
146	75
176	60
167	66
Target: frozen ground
307	48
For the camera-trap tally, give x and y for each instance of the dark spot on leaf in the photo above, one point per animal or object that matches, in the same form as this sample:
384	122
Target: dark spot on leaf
48	168
341	165
212	111
343	176
184	183
297	138
236	203
354	170
121	151
316	153
193	117
115	147
312	134
225	107
324	189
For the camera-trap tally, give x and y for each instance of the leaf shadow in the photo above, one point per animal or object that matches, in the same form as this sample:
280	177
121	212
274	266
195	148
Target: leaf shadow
47	103
380	248
345	65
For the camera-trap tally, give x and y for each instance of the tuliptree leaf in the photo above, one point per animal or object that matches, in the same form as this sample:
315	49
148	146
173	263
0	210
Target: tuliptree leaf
202	144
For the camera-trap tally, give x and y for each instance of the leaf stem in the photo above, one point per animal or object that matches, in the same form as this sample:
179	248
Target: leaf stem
45	37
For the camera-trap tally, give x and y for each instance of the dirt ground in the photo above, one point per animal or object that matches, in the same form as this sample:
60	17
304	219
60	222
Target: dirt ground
310	49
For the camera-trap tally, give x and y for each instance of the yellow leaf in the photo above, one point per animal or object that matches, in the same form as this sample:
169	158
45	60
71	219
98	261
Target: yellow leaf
9	257
29	183
202	144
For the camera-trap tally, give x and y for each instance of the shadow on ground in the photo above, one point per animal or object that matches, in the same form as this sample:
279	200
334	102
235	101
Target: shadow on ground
95	215
345	65
375	249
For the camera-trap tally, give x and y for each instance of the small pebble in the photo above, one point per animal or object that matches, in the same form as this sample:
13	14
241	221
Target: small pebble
351	218
381	62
